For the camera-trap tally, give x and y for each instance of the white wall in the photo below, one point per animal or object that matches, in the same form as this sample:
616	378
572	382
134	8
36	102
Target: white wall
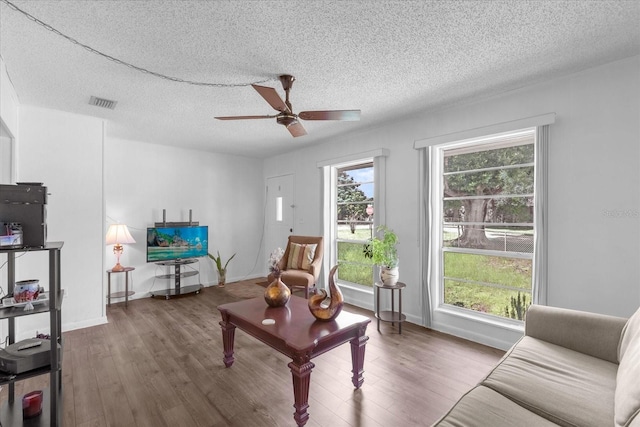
224	192
8	101
94	181
64	151
9	118
594	187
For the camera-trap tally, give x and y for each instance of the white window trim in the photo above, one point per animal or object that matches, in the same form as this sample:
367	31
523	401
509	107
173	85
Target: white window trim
438	293
505	127
359	296
486	331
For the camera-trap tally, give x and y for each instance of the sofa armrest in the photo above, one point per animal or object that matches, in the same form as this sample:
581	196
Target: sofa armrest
596	335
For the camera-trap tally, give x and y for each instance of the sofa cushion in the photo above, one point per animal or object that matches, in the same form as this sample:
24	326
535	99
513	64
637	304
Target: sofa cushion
564	386
483	407
301	256
627	396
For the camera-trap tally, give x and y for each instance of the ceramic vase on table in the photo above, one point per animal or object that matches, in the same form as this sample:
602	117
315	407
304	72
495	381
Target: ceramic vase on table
389	276
277	293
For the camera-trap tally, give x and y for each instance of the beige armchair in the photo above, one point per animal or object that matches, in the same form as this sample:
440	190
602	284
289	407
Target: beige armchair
301	262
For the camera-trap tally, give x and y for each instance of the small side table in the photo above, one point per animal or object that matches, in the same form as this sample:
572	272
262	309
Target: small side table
390	316
127	293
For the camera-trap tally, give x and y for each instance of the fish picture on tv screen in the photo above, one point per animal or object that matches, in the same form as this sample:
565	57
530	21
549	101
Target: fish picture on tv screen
171	243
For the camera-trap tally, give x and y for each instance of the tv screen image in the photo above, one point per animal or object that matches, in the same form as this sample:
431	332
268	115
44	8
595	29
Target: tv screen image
170	243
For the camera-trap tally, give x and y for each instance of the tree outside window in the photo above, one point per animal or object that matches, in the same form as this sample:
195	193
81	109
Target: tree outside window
488	225
354	219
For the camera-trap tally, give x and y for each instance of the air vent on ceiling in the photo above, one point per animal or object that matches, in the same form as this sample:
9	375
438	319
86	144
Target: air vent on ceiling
104	103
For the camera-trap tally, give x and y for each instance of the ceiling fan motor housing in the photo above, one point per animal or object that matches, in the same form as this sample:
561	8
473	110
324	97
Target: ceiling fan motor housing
286	119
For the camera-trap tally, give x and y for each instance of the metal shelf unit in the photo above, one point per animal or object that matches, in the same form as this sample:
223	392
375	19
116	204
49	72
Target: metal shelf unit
11	411
177	275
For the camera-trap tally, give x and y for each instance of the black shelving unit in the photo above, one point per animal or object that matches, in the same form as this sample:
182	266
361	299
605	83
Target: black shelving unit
11	411
177	275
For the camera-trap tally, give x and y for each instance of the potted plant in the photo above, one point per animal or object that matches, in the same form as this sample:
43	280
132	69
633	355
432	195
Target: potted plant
222	271
383	252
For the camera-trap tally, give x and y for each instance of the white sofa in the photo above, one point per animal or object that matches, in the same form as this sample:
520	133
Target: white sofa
571	368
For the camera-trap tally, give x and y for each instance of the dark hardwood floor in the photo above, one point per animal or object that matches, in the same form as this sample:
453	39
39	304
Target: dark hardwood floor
159	363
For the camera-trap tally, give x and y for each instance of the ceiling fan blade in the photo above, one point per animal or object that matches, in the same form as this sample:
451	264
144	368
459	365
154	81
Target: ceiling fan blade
296	129
271	96
345	115
244	117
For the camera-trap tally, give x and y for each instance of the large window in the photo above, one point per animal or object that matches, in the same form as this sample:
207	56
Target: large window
355	209
486	202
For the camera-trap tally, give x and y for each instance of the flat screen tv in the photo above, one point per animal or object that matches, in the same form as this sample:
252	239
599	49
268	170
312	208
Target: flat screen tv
181	242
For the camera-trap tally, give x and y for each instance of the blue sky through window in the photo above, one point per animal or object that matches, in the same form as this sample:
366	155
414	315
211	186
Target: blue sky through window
363	175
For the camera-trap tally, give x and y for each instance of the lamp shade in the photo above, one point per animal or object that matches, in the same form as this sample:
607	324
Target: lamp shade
118	234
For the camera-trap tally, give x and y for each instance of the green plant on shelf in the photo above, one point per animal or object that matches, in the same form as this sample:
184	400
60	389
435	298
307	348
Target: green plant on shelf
382	250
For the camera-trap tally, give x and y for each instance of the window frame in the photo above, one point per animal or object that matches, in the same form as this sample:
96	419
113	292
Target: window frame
335	239
472	145
358	296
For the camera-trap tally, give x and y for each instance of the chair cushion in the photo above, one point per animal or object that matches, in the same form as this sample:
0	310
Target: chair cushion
627	396
301	256
297	278
567	387
483	407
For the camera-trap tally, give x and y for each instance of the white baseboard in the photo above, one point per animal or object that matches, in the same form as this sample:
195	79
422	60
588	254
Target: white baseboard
502	344
66	327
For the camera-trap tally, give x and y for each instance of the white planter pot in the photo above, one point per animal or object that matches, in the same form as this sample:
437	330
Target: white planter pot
389	276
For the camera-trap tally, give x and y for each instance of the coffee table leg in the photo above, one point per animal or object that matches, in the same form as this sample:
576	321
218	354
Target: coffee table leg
301	373
228	336
357	357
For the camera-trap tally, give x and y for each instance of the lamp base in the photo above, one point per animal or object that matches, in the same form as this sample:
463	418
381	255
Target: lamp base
117	251
117	267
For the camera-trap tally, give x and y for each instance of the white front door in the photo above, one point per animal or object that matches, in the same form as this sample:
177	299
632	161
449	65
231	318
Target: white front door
280	212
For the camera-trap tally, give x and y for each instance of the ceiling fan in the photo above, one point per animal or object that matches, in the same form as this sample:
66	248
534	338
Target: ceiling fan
287	117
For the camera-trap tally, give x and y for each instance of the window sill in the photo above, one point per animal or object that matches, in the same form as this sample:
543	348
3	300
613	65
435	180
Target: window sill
508	324
355	288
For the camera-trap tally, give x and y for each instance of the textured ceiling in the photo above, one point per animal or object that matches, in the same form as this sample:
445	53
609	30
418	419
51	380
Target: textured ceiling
387	58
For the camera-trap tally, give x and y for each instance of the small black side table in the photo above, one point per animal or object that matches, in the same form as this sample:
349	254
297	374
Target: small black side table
390	316
127	293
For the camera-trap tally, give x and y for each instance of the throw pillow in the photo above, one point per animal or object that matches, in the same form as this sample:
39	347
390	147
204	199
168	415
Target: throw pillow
300	256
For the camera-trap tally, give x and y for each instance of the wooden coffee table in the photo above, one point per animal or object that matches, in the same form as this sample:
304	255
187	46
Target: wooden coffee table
298	335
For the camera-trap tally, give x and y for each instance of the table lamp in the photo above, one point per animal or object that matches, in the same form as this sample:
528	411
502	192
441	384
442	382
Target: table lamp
117	235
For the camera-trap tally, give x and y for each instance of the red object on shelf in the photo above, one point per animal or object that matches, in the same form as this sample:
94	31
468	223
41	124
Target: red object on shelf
32	404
